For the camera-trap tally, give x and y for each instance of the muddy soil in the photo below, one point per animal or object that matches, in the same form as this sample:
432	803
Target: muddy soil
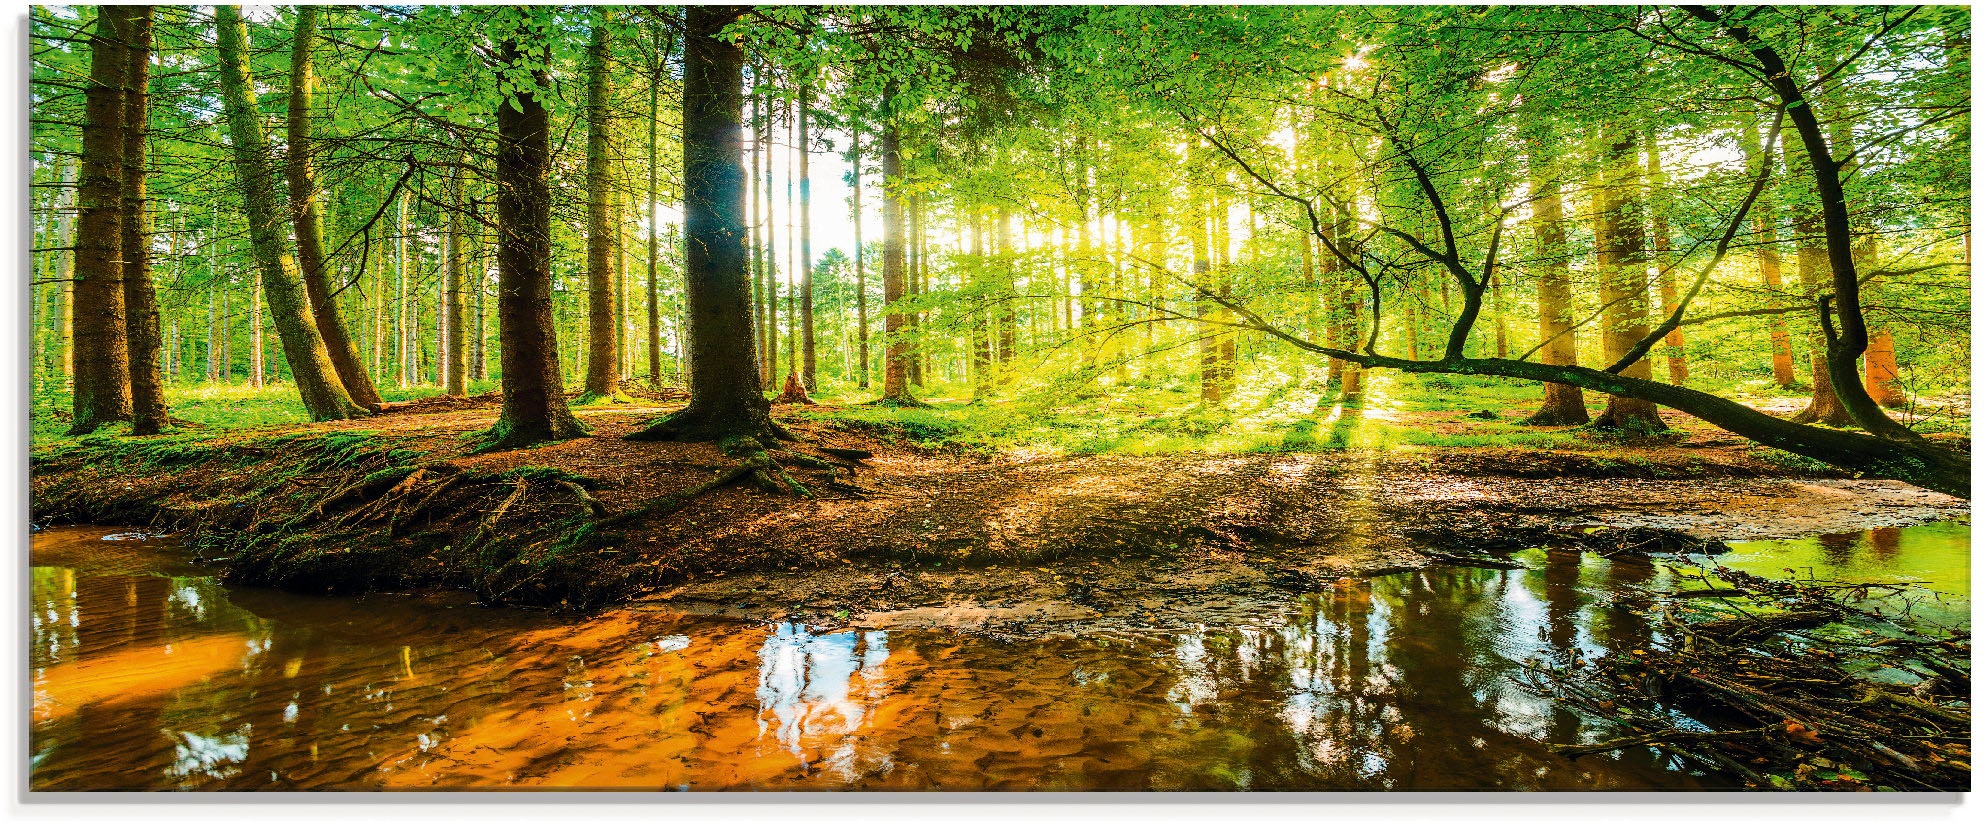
921	537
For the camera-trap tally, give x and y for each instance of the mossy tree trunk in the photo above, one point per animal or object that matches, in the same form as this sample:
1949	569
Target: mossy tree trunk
324	396
306	212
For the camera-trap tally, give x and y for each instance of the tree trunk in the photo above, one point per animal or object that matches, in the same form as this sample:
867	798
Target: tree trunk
61	311
102	353
403	322
602	224
534	408
1198	229
454	311
809	370
257	364
1825	407
1008	293
897	353
148	409
724	395
981	339
1562	404
1620	235
1663	260
760	278
913	261
306	212
860	259
1763	219
654	220
1883	371
324	397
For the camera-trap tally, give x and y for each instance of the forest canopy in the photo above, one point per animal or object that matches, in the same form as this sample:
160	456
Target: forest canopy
1224	209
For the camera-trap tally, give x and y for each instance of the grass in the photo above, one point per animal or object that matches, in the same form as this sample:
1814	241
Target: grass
1276	413
217	407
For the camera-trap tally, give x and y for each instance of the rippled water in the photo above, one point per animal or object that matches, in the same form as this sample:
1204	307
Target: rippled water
148	675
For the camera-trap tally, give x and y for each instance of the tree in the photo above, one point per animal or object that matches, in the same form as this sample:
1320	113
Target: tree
534	408
148	408
895	320
724	398
1562	404
1620	229
102	358
602	221
324	396
306	212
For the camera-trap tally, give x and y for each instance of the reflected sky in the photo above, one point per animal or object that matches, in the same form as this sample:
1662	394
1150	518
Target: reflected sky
159	678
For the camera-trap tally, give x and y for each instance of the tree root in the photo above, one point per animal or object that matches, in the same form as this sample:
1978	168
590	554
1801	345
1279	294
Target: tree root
757	464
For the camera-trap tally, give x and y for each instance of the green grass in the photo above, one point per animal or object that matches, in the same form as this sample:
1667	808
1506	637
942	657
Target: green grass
217	407
1276	413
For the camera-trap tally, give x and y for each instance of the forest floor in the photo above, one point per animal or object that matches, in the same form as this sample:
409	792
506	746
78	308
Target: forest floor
925	532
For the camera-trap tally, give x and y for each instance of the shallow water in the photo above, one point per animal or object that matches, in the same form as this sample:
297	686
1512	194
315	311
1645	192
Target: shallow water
149	675
1934	557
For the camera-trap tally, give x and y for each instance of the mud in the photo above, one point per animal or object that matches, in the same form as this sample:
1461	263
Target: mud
916	537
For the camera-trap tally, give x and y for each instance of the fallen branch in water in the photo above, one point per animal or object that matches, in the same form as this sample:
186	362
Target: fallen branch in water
1786	706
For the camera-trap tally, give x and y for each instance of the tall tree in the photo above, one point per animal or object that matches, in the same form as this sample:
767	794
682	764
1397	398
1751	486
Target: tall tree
860	269
809	371
725	401
1619	229
1562	404
302	346
324	396
1769	266
454	307
306	212
102	353
148	408
534	408
602	220
897	351
1663	259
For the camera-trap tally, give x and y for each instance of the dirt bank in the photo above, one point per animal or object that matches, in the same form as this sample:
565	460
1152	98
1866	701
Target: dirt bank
910	535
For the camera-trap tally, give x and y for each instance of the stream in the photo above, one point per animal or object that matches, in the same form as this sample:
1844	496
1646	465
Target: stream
148	674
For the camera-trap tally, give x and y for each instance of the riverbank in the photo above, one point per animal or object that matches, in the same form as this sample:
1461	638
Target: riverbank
918	532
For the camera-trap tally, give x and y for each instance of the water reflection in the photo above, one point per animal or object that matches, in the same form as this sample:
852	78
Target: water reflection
161	679
1935	556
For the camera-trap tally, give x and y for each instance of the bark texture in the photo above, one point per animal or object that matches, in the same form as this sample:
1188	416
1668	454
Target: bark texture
1555	328
602	222
534	408
102	354
324	396
897	352
148	409
306	212
725	401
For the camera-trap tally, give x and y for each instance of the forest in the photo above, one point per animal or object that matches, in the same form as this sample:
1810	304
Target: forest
571	306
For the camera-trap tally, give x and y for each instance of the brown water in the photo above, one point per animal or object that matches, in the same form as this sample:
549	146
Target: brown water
149	675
